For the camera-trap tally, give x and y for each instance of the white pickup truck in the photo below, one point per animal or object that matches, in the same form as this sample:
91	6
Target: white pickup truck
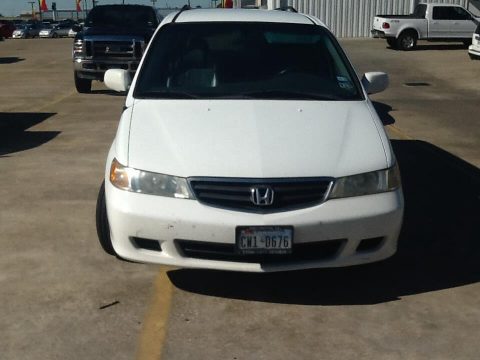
431	21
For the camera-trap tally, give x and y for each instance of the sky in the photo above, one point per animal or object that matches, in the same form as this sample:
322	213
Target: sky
15	7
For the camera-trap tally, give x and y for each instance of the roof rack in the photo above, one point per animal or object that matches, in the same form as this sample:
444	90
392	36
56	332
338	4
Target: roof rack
287	8
184	8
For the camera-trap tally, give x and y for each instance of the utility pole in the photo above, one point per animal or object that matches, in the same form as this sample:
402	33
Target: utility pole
85	10
33	8
40	10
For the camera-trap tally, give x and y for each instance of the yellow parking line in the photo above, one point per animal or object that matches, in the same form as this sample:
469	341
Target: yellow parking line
56	101
154	328
400	132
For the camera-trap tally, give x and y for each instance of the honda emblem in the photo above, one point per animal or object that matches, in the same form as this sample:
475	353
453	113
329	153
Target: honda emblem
262	195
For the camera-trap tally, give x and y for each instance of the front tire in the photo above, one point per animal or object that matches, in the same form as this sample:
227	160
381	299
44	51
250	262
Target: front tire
407	41
103	228
83	86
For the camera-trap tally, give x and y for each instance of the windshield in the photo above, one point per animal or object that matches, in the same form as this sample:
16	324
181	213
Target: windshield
246	60
124	16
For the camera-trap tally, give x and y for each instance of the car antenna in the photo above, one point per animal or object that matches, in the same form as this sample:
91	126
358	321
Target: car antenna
184	8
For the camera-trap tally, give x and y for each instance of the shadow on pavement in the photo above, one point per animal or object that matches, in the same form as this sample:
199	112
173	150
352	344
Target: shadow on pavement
108	92
10	60
439	245
433	46
14	135
383	111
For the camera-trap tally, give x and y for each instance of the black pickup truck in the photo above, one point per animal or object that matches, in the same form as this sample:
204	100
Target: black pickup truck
114	37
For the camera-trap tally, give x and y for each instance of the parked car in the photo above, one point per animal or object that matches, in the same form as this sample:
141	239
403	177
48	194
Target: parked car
434	22
72	33
6	29
55	31
249	143
27	31
114	36
18	22
474	49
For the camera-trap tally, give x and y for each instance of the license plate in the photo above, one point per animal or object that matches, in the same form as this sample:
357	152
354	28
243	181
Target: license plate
264	239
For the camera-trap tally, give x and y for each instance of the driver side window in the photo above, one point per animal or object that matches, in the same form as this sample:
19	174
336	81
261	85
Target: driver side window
461	14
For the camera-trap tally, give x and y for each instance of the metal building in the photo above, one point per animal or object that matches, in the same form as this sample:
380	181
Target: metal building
353	18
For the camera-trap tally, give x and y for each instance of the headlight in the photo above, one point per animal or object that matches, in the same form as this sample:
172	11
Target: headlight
368	183
77	47
145	182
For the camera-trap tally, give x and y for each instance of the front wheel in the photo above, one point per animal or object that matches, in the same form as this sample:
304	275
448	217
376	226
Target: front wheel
407	41
103	228
83	86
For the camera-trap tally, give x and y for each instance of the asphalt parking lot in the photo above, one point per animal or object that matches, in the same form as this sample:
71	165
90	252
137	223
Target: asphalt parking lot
63	298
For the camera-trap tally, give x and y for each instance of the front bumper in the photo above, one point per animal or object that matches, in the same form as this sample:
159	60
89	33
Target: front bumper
44	35
94	69
19	36
474	51
168	220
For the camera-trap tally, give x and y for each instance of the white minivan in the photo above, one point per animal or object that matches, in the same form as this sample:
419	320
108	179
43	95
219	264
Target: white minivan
248	143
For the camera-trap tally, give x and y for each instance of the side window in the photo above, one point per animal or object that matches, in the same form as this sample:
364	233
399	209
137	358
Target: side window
420	11
461	14
444	13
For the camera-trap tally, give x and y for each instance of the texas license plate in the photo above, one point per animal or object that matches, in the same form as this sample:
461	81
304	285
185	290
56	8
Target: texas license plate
264	239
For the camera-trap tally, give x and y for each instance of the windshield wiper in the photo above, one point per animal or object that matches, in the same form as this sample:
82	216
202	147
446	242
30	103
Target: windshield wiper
167	95
288	94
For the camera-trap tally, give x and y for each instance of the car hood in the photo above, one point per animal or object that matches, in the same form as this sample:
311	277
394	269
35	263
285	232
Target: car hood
254	138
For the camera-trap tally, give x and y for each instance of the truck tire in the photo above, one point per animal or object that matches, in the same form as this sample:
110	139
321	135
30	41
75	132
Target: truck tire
103	228
83	86
407	40
392	42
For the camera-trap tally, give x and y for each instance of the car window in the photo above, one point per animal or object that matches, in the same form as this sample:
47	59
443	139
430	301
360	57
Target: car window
450	13
420	11
235	60
461	14
123	16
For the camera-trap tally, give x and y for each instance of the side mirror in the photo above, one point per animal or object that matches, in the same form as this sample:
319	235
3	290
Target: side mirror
375	82
117	79
76	28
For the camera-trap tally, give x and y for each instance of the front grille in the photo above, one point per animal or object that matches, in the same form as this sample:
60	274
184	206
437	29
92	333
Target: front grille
319	250
236	194
115	49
